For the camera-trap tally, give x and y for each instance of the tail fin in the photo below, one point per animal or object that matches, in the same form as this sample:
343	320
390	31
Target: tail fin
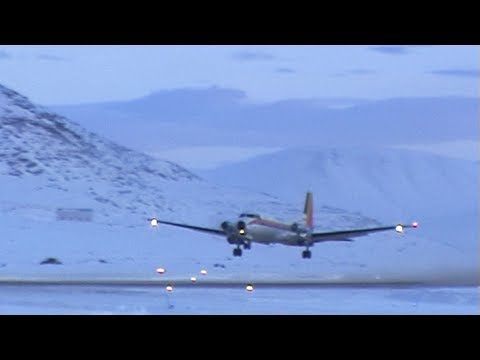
308	210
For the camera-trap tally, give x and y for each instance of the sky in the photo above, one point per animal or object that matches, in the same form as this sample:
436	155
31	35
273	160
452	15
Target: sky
75	74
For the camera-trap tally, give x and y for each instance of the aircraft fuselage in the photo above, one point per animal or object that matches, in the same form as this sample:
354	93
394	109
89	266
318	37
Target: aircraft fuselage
272	233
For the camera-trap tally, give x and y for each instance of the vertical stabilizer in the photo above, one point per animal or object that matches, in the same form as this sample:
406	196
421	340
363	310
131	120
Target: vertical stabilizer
308	210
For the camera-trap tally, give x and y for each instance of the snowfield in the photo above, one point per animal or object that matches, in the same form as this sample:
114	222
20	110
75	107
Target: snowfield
48	162
138	300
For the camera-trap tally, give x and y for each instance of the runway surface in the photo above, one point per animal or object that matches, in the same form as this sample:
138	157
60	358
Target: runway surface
134	297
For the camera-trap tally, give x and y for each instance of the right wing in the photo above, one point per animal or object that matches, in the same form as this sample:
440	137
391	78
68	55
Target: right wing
191	227
345	235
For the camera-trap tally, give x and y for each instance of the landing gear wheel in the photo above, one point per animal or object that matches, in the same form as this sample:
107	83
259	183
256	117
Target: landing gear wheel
237	252
306	254
247	246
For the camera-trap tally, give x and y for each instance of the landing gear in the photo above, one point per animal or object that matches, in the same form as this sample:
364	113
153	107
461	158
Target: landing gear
247	245
237	252
306	254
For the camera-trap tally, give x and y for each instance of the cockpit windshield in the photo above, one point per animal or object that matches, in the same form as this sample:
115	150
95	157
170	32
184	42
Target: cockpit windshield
248	215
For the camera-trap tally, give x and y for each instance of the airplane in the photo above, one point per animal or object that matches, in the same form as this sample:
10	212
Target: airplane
251	227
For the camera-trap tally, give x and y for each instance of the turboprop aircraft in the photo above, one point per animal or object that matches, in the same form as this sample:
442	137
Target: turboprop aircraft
252	228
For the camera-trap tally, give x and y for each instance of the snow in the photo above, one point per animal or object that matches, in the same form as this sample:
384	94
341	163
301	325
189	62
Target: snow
389	185
461	149
96	250
78	169
210	157
354	177
214	301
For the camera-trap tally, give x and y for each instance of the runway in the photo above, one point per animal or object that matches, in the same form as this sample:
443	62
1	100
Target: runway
352	281
216	284
144	297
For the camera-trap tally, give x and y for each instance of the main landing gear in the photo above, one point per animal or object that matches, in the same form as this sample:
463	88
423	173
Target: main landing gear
306	254
247	245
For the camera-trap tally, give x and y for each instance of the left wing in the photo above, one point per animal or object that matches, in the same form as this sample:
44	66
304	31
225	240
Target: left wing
346	234
191	227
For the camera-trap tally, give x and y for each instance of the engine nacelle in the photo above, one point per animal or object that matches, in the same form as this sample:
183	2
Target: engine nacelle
295	227
228	227
234	230
241	225
242	228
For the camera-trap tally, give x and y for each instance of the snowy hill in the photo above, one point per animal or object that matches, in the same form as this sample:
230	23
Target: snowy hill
390	185
51	153
48	162
36	141
379	181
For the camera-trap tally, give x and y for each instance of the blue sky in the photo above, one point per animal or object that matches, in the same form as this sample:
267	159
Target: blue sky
54	75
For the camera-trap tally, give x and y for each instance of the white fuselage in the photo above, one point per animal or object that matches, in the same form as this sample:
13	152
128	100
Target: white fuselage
273	232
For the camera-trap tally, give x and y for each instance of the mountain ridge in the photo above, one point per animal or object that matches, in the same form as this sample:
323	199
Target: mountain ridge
230	119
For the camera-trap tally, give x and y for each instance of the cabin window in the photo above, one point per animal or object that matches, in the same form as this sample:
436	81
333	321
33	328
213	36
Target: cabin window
253	216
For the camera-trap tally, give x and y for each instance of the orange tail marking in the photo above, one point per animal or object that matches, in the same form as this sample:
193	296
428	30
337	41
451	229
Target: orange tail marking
308	210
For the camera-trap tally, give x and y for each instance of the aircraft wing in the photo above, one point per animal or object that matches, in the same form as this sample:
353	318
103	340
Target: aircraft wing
192	227
345	235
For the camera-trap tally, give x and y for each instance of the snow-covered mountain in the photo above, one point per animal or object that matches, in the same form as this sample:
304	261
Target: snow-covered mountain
225	117
48	151
47	162
390	185
36	141
379	181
